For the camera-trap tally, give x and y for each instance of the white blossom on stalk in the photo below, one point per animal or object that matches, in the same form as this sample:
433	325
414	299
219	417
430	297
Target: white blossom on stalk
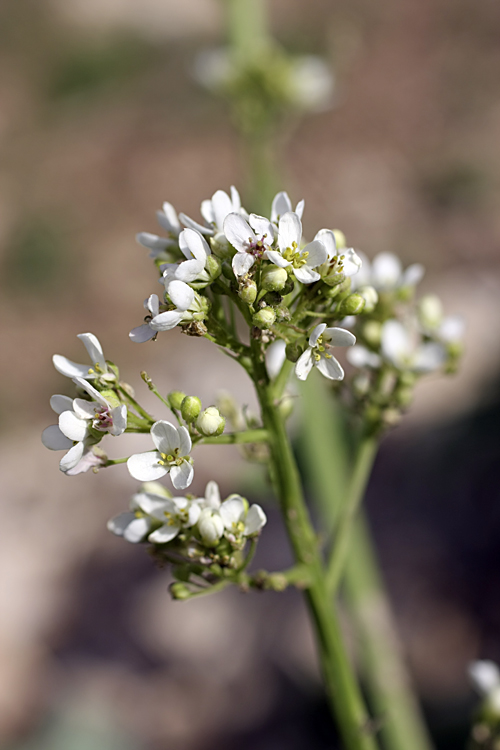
171	456
196	251
210	526
252	239
402	347
168	220
283	205
99	368
317	354
302	261
214	211
188	306
345	261
448	329
239	520
385	273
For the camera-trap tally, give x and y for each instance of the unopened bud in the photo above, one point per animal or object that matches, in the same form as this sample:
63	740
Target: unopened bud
370	296
175	399
248	292
264	318
286	406
289	286
354	304
273	278
210	527
210	422
179	591
213	266
293	352
190	408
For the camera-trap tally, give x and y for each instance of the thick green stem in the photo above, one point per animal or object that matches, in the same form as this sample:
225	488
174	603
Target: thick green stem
390	691
343	692
365	456
247	27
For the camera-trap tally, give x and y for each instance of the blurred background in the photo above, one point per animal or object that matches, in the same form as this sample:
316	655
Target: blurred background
101	120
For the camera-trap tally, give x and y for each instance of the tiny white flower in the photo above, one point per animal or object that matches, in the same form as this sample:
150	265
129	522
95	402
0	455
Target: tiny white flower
360	356
311	83
239	520
98	369
173	446
251	239
385	273
214	211
402	347
302	261
321	341
210	526
188	306
168	220
448	329
283	205
345	261
174	514
196	251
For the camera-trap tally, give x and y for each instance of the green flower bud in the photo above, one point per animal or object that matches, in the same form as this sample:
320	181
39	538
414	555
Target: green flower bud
340	239
213	266
354	304
190	408
293	352
264	318
227	270
175	399
221	247
248	291
286	406
289	287
270	299
179	591
210	422
273	278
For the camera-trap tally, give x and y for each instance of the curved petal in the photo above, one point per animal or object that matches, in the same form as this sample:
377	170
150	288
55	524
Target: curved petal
89	460
327	238
194	225
182	475
145	466
93	392
94	349
193	245
242	263
119	523
275	358
168	219
71	369
317	253
181	294
153	241
255	520
189	270
386	271
142	333
275	257
235	199
339	337
72	457
207	211
137	530
72	426
165	436
304	365
60	403
222	206
429	357
360	356
330	368
185	444
262	227
289	231
238	232
165	533
316	333
413	275
231	511
162	322
152	304
154	505
84	409
351	261
119	417
54	440
306	275
281	205
299	208
212	495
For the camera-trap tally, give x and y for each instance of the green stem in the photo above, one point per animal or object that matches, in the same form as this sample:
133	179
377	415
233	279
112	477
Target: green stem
382	660
343	692
365	456
236	438
135	404
115	461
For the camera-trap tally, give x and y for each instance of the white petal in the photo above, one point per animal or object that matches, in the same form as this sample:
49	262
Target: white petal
275	257
304	365
316	333
281	205
255	520
165	436
145	466
306	275
182	475
194	513
235	199
360	356
222	206
165	533
275	358
317	253
364	275
327	237
212	495
93	392
386	271
339	337
330	368
395	342
238	232
484	675
71	369
142	333
152	241
152	304
118	524
137	530
94	349
167	218
289	231
231	511
72	457
413	275
155	506
262	227
451	329
119	417
194	245
194	225
61	403
242	263
84	409
429	357
162	322
207	211
352	262
299	208
54	440
184	441
189	270
72	426
89	460
181	294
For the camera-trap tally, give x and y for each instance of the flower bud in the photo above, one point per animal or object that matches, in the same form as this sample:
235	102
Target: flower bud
179	591
213	266
210	422
286	406
248	291
175	399
354	304
190	408
210	527
273	278
264	318
293	352
370	296
289	287
340	240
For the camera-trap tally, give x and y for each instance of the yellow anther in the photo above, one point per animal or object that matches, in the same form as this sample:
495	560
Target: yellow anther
163	455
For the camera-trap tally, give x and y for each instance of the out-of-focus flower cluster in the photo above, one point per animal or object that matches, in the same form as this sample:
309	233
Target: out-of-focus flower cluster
485	678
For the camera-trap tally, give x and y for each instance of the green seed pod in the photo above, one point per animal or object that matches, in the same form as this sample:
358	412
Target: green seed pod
273	278
248	291
264	318
179	591
354	304
175	399
190	408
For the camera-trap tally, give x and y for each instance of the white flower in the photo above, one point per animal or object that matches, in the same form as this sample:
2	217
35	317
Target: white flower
196	250
283	205
302	261
210	526
311	83
448	329
173	445
345	261
240	522
168	219
214	211
402	347
360	356
386	274
321	340
251	239
99	368
188	306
